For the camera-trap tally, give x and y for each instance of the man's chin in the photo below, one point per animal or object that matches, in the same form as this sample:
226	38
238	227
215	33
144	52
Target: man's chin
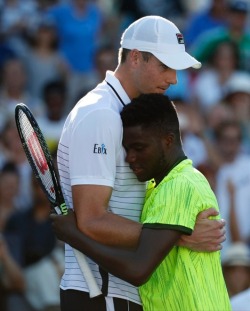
142	178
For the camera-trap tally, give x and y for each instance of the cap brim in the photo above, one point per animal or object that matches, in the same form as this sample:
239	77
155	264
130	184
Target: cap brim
178	61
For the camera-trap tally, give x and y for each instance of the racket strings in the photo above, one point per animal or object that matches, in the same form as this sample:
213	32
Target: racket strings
35	154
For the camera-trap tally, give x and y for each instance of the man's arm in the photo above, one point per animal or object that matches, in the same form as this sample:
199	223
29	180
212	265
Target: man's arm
132	265
93	219
208	234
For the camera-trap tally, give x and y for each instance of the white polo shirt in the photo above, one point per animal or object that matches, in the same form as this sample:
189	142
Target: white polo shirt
90	152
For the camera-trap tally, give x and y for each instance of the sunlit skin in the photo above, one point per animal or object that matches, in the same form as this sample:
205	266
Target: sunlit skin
142	77
230	142
239	273
149	155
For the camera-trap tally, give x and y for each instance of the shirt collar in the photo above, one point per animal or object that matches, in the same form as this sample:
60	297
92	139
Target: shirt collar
116	85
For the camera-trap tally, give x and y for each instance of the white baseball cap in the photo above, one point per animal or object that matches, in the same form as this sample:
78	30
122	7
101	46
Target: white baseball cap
160	37
239	82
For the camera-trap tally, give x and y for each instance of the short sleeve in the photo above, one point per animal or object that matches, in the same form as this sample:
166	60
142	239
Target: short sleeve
95	144
175	203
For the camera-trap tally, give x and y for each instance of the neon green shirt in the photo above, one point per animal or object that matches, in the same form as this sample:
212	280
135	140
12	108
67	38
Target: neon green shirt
185	280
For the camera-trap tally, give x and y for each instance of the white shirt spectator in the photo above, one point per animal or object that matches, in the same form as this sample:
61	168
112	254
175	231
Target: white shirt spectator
239	174
241	301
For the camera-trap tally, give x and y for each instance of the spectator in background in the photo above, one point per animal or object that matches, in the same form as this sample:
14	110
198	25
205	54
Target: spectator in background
131	10
12	282
15	22
234	168
42	60
105	59
241	300
235	31
198	131
128	11
9	185
6	52
190	123
236	269
111	22
171	9
41	256
79	26
233	224
216	115
51	124
13	90
209	86
237	98
41	7
206	19
12	150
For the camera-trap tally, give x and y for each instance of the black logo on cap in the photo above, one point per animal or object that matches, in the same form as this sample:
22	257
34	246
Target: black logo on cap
180	38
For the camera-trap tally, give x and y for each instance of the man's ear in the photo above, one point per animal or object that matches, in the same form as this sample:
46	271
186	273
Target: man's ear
134	57
169	139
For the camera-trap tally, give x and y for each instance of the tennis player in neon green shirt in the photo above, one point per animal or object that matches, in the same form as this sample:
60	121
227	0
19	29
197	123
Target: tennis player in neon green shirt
185	280
169	277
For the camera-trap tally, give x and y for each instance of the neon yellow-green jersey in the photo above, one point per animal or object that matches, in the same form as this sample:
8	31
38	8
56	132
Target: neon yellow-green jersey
185	280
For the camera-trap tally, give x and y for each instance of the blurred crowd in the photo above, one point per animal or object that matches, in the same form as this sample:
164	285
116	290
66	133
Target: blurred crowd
52	52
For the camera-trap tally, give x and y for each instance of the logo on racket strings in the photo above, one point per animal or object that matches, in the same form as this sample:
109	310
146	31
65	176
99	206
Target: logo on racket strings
64	209
37	153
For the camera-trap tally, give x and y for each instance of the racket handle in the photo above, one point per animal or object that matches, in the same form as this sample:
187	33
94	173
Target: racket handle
94	289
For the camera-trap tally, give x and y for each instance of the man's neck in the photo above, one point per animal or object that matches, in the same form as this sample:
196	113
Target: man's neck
123	75
177	158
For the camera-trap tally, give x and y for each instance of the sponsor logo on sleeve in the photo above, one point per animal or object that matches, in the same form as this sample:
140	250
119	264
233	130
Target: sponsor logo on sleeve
100	149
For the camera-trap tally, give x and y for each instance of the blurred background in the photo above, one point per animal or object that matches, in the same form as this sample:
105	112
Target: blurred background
52	52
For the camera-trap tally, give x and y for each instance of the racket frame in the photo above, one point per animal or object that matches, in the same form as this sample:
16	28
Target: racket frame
58	203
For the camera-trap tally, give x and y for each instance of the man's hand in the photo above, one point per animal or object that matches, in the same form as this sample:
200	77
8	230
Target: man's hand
208	233
64	226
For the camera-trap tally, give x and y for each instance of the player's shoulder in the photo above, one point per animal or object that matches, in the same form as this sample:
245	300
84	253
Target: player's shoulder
98	96
186	177
96	104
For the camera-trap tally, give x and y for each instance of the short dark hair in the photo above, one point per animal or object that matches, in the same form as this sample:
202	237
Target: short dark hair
123	54
154	111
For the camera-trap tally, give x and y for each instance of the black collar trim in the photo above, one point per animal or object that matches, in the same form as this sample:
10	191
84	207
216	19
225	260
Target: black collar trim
116	93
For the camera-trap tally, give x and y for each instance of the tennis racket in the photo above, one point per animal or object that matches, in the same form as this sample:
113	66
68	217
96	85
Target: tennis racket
41	162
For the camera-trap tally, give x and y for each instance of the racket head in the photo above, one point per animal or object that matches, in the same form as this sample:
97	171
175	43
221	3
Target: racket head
38	154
